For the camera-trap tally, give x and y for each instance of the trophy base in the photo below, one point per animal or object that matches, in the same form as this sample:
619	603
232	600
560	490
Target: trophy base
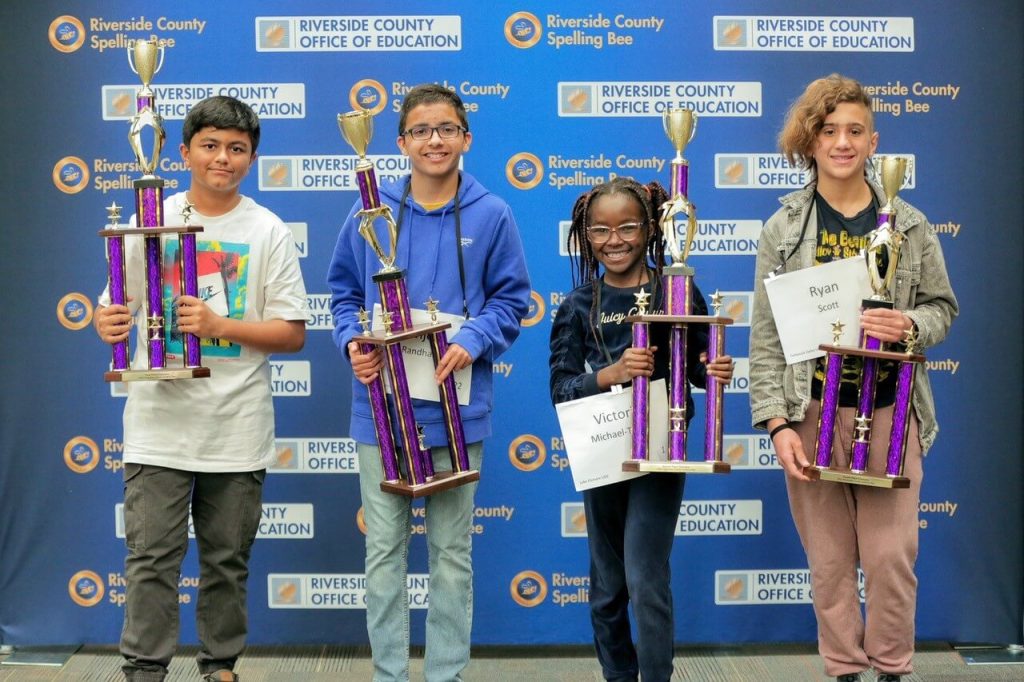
874	480
157	374
443	480
683	467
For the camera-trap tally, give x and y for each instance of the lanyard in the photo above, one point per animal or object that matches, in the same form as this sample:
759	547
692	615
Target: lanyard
458	237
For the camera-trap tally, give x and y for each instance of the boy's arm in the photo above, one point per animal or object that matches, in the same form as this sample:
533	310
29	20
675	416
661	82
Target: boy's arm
266	336
345	278
569	378
506	295
281	327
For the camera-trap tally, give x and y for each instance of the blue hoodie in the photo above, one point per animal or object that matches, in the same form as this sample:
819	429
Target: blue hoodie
497	291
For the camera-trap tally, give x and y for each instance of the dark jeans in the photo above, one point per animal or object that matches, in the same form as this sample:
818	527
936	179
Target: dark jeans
226	510
630	528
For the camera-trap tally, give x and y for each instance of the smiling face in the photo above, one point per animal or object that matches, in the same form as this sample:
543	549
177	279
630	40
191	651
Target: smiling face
844	144
623	259
219	159
435	159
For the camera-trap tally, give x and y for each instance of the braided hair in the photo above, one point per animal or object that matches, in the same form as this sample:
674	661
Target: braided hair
583	260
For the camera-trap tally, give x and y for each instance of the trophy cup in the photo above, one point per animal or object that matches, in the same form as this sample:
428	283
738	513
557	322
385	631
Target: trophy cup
677	281
882	256
420	478
145	59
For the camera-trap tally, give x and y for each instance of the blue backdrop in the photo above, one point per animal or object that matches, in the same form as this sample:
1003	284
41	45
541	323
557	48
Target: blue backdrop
561	95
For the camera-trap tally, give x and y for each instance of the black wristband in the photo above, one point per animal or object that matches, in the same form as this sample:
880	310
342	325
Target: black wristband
780	427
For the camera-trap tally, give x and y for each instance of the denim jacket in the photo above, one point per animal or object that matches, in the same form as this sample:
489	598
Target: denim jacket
921	289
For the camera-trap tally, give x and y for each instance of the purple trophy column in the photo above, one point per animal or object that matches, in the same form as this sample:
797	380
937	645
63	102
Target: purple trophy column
148	207
713	395
829	406
392	295
641	395
118	293
368	188
680	179
403	312
450	406
678	301
865	407
189	287
406	418
677	395
382	423
427	460
900	420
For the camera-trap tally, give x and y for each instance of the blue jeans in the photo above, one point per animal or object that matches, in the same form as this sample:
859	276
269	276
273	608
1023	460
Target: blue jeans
226	510
388	517
630	528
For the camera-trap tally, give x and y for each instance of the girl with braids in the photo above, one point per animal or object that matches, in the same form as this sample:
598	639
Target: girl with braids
630	524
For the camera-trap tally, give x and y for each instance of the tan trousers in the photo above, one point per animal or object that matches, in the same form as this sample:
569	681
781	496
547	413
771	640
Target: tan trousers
841	525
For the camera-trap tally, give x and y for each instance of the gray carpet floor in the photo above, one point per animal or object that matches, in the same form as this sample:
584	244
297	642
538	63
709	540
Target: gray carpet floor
937	662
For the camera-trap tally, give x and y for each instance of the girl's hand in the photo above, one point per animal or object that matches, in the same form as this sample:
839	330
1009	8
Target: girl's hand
720	368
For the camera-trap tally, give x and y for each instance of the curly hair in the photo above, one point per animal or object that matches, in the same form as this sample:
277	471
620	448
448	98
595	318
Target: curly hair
806	116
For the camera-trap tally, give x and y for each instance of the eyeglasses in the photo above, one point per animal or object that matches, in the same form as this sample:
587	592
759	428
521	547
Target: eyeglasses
445	131
627	232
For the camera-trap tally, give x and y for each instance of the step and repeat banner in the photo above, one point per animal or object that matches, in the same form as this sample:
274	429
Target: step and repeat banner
561	96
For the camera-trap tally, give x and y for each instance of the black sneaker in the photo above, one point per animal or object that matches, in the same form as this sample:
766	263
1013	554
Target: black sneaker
887	677
849	677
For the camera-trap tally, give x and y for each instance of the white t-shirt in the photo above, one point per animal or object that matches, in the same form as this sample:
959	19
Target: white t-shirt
249	270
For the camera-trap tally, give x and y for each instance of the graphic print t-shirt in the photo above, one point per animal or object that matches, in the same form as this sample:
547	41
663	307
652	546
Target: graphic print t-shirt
841	237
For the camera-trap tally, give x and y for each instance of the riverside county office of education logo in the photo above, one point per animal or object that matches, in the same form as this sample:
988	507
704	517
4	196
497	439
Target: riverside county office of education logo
287	456
85	588
528	588
81	454
523	30
285	592
575	98
278	173
66	33
118	103
737	306
733	170
527	453
273	34
70	175
535	313
736	451
74	311
524	171
732	587
731	32
574	520
368	95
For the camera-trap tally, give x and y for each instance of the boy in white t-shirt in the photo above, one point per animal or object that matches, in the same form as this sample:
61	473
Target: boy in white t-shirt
203	445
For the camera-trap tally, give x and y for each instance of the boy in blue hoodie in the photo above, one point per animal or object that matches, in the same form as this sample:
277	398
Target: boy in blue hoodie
458	244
